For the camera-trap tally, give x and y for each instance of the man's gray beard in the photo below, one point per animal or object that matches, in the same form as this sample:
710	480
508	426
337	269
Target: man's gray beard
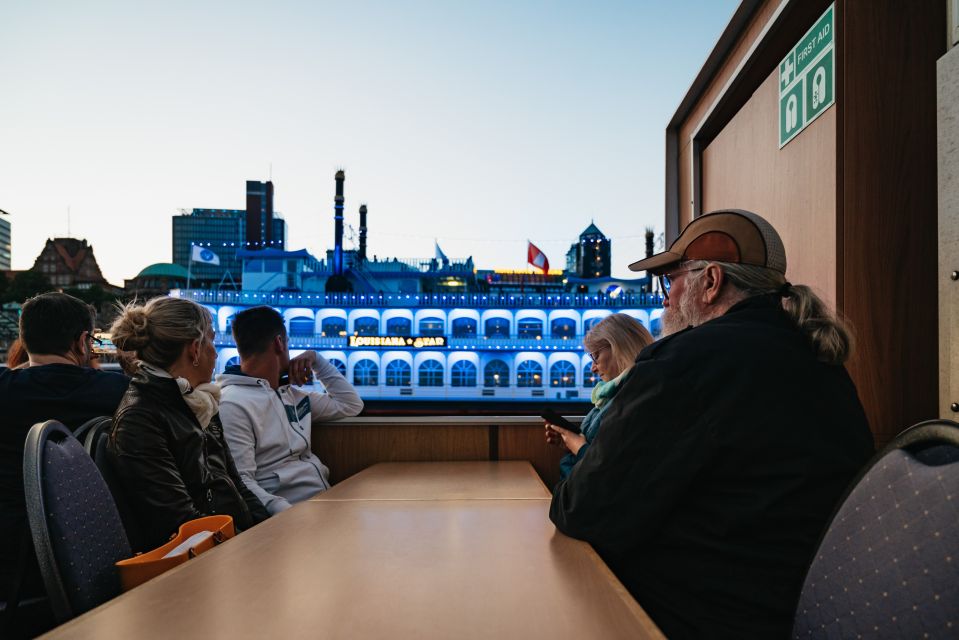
683	312
673	321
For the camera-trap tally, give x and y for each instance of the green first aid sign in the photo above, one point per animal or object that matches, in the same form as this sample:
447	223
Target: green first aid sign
807	85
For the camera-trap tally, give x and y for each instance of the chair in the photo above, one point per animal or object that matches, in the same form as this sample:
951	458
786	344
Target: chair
76	529
92	424
888	563
96	445
96	429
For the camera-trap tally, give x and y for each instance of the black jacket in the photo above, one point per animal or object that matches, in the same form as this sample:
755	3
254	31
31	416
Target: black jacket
61	392
171	469
715	472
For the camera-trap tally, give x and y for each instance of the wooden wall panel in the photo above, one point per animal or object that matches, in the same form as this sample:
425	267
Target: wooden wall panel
794	188
526	442
889	204
782	34
347	449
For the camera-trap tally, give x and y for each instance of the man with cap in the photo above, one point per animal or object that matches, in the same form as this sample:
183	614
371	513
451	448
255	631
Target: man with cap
729	444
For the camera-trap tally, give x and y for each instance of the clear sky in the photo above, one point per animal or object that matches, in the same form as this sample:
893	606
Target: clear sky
480	124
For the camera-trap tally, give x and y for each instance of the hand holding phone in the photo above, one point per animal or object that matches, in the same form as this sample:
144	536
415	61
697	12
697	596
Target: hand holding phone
554	418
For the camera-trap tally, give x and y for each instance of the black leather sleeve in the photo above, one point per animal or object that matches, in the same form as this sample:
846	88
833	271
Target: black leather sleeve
150	476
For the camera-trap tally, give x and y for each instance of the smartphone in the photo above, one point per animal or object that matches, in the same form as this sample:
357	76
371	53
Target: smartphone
554	418
105	346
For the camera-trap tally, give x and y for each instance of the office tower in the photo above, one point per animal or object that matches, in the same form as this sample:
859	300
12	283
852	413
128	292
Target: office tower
5	246
223	231
259	215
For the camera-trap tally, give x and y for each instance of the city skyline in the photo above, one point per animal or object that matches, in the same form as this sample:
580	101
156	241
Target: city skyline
476	127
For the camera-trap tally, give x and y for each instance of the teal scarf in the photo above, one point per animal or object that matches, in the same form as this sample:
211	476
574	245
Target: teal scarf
604	391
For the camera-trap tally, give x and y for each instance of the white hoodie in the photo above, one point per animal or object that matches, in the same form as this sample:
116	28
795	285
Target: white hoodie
269	432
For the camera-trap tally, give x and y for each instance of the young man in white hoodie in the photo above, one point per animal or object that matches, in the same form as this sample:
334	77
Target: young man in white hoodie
267	419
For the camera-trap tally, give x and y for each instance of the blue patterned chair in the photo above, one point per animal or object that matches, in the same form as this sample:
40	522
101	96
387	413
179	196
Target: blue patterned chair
888	564
76	529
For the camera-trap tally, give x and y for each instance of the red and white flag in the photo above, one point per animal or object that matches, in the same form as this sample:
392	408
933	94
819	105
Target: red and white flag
537	258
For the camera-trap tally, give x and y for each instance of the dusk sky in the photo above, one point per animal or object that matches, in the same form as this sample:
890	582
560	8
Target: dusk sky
478	124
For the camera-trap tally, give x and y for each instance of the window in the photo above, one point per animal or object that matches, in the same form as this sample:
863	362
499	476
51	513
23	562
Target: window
399	326
340	366
497	328
366	326
431	327
464	328
398	373
562	374
564	328
366	374
589	378
529	328
431	373
589	324
301	327
529	374
463	374
333	327
496	374
229	324
232	362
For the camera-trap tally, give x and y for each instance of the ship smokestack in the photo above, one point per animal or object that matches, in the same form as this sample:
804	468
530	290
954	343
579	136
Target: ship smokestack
362	252
338	221
649	242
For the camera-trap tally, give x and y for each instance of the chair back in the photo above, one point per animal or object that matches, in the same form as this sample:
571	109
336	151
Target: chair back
93	424
76	529
888	564
96	444
98	428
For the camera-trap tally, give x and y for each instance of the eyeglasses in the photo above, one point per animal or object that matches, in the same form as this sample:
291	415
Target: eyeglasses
665	279
594	356
94	341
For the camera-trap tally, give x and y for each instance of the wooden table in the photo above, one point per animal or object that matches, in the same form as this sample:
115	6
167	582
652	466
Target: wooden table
441	481
415	567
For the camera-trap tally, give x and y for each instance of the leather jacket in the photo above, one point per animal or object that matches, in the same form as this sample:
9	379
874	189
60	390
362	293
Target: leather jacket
172	470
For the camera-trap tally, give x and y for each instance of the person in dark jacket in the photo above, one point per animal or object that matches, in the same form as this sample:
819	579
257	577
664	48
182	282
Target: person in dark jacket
729	444
167	443
55	383
613	345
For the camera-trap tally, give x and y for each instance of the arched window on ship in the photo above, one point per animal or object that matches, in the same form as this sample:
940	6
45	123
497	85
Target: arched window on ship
431	373
496	374
398	373
366	373
529	374
562	374
463	374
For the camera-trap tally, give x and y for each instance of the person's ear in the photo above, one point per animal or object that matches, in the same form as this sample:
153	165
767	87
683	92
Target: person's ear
194	351
713	279
80	348
279	344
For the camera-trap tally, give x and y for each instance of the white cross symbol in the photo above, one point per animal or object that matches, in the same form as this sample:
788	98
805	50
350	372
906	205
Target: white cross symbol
787	72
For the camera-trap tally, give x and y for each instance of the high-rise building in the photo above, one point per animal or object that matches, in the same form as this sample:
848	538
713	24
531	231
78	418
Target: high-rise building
5	246
589	258
223	231
259	215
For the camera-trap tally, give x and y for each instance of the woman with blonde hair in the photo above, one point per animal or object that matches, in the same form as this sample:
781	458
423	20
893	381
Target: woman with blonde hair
167	444
613	345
